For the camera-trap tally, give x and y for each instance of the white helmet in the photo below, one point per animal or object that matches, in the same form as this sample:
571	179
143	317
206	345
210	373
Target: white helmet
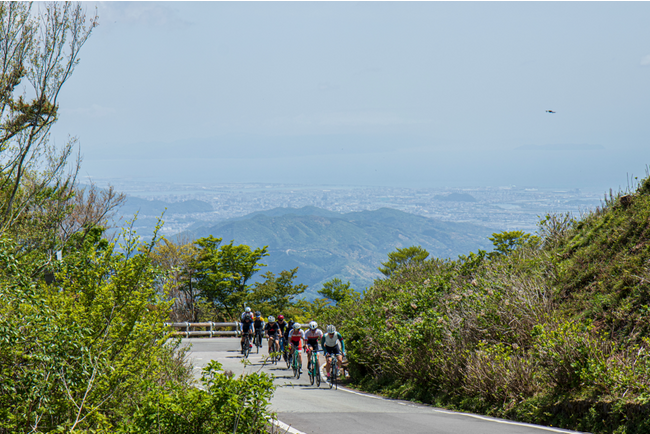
331	329
296	326
271	318
313	325
248	309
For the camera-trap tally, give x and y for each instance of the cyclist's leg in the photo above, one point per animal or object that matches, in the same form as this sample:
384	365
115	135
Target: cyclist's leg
328	359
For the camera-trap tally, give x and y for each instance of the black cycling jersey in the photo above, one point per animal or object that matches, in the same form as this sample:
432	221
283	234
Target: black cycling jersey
272	329
246	322
283	326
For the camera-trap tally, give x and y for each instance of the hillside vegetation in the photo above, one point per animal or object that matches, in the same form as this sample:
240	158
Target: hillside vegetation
326	245
550	329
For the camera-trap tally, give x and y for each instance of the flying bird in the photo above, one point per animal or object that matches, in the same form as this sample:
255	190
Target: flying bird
550	111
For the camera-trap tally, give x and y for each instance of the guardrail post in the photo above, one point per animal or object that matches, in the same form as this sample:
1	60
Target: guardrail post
211	329
187	329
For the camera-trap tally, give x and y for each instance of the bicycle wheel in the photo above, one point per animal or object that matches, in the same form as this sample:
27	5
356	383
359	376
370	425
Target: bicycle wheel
247	347
289	359
335	375
298	362
317	374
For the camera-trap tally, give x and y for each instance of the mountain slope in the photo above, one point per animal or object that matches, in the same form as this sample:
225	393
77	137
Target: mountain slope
325	245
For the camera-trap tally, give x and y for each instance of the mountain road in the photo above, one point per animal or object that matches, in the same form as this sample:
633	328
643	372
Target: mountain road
302	408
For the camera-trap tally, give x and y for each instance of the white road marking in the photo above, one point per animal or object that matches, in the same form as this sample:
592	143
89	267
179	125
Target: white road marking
507	422
488	419
284	427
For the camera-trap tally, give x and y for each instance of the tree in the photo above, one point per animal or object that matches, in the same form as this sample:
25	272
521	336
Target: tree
403	258
508	241
276	293
178	280
90	207
339	292
38	52
223	273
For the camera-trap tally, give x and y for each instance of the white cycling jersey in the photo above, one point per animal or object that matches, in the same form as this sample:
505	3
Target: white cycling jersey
313	334
332	341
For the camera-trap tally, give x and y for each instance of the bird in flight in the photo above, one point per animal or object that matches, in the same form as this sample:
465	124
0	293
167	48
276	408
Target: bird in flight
550	111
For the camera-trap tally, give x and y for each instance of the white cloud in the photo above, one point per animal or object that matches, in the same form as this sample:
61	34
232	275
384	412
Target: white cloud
645	61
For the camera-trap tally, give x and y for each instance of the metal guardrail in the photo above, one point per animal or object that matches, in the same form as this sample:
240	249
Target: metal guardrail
211	328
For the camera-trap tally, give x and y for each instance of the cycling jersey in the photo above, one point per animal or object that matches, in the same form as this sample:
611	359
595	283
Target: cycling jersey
283	327
296	337
313	336
246	321
272	329
331	344
259	323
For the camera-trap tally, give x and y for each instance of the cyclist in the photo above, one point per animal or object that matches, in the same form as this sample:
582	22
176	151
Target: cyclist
333	344
272	333
290	324
284	330
246	325
296	337
313	335
259	326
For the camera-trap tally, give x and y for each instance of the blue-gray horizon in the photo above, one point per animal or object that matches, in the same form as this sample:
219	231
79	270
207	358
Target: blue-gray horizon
392	94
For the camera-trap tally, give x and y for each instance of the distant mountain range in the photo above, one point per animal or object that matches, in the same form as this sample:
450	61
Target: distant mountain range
325	244
157	207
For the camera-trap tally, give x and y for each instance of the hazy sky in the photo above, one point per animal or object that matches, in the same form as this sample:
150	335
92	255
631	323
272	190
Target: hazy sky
425	94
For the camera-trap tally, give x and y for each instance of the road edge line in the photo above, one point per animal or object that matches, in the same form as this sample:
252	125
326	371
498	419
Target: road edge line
283	426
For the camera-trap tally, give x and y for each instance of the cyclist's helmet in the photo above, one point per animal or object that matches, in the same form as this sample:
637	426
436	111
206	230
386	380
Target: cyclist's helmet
331	329
271	318
248	309
258	314
280	317
296	326
313	325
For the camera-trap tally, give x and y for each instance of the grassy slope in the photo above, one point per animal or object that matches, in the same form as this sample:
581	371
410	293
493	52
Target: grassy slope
604	273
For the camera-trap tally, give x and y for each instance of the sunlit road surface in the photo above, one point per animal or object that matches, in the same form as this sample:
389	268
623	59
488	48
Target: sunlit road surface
321	410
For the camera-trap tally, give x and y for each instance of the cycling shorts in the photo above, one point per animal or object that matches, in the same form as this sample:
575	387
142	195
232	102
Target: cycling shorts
297	342
313	343
332	350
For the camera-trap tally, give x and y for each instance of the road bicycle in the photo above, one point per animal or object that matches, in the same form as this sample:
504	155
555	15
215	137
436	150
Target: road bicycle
283	350
258	340
274	350
296	363
313	368
334	371
247	345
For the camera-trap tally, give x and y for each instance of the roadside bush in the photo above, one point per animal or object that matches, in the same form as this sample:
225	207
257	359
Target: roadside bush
224	404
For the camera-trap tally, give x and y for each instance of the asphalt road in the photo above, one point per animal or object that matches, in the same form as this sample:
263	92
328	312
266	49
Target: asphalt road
320	410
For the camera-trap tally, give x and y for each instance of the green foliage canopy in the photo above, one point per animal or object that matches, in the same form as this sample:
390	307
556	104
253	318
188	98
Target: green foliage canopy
402	258
223	273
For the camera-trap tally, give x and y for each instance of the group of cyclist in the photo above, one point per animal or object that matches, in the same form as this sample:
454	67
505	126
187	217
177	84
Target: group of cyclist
313	339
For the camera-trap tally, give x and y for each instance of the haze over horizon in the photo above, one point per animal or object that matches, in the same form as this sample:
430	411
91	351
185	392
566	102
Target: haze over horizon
421	95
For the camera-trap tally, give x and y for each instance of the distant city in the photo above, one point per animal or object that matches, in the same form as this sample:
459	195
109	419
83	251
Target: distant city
499	208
